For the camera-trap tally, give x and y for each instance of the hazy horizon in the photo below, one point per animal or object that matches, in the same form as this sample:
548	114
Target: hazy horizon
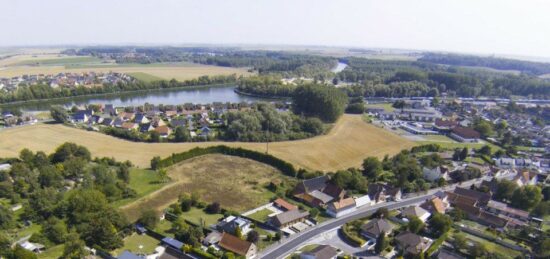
491	27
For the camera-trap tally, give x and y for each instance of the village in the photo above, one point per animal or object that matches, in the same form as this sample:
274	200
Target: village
69	79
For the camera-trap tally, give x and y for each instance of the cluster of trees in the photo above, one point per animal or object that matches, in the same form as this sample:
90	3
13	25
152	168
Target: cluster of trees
529	197
536	68
324	102
44	91
264	123
379	78
266	62
265	85
69	195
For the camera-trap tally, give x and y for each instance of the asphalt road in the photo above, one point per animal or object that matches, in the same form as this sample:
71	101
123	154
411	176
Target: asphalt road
288	245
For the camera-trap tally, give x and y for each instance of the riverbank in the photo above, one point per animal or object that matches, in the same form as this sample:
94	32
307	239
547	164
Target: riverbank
260	95
115	93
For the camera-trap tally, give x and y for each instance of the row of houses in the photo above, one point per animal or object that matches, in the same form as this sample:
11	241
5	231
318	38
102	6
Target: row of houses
65	79
197	122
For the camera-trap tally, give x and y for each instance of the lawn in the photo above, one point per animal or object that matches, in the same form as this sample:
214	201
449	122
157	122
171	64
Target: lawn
347	144
163	227
386	106
449	143
145	77
143	182
198	215
133	243
261	215
492	247
236	183
53	252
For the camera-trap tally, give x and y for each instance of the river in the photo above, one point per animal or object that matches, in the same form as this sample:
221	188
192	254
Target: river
202	95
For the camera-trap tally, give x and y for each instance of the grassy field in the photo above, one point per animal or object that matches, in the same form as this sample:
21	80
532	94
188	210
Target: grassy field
133	243
386	106
53	252
55	63
145	77
143	182
450	143
261	215
236	183
346	145
198	216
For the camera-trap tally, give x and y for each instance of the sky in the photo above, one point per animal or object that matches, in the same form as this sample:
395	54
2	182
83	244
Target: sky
508	27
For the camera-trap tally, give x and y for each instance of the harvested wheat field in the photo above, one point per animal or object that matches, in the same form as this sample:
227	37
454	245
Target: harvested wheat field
236	183
346	145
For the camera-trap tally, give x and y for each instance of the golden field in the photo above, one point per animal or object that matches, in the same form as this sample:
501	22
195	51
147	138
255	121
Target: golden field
54	63
235	182
346	145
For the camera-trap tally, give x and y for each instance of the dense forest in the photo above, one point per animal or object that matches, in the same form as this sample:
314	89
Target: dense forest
528	67
43	91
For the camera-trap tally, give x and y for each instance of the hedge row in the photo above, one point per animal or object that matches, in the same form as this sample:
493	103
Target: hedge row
353	239
280	164
436	244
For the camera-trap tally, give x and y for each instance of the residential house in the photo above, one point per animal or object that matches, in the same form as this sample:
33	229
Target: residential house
412	244
110	110
320	252
436	173
435	205
205	131
238	246
288	218
107	122
170	113
173	243
444	126
373	229
379	192
129	126
127	116
128	255
118	122
284	205
33	247
467	135
164	131
480	197
315	191
525	178
341	207
144	128
503	209
415	211
178	123
140	118
82	116
157	121
231	223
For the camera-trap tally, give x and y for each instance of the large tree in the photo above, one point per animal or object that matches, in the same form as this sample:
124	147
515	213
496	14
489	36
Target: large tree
325	102
526	197
59	114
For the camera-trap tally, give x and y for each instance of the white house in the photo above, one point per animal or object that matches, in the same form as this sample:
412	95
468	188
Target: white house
363	200
434	174
5	167
415	211
342	207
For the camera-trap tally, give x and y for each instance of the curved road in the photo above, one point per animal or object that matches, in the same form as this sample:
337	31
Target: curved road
288	245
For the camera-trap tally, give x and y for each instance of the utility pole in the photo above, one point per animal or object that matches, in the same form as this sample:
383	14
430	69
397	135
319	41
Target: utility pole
267	139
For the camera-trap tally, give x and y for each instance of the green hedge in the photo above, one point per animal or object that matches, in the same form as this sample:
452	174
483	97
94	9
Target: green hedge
280	164
437	243
351	237
202	253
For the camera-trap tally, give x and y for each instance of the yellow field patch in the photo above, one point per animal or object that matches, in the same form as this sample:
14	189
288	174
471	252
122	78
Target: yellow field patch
349	142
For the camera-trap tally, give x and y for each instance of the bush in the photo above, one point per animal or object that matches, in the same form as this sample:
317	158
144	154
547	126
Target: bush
351	237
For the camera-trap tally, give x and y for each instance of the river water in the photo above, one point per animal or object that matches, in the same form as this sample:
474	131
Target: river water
198	95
